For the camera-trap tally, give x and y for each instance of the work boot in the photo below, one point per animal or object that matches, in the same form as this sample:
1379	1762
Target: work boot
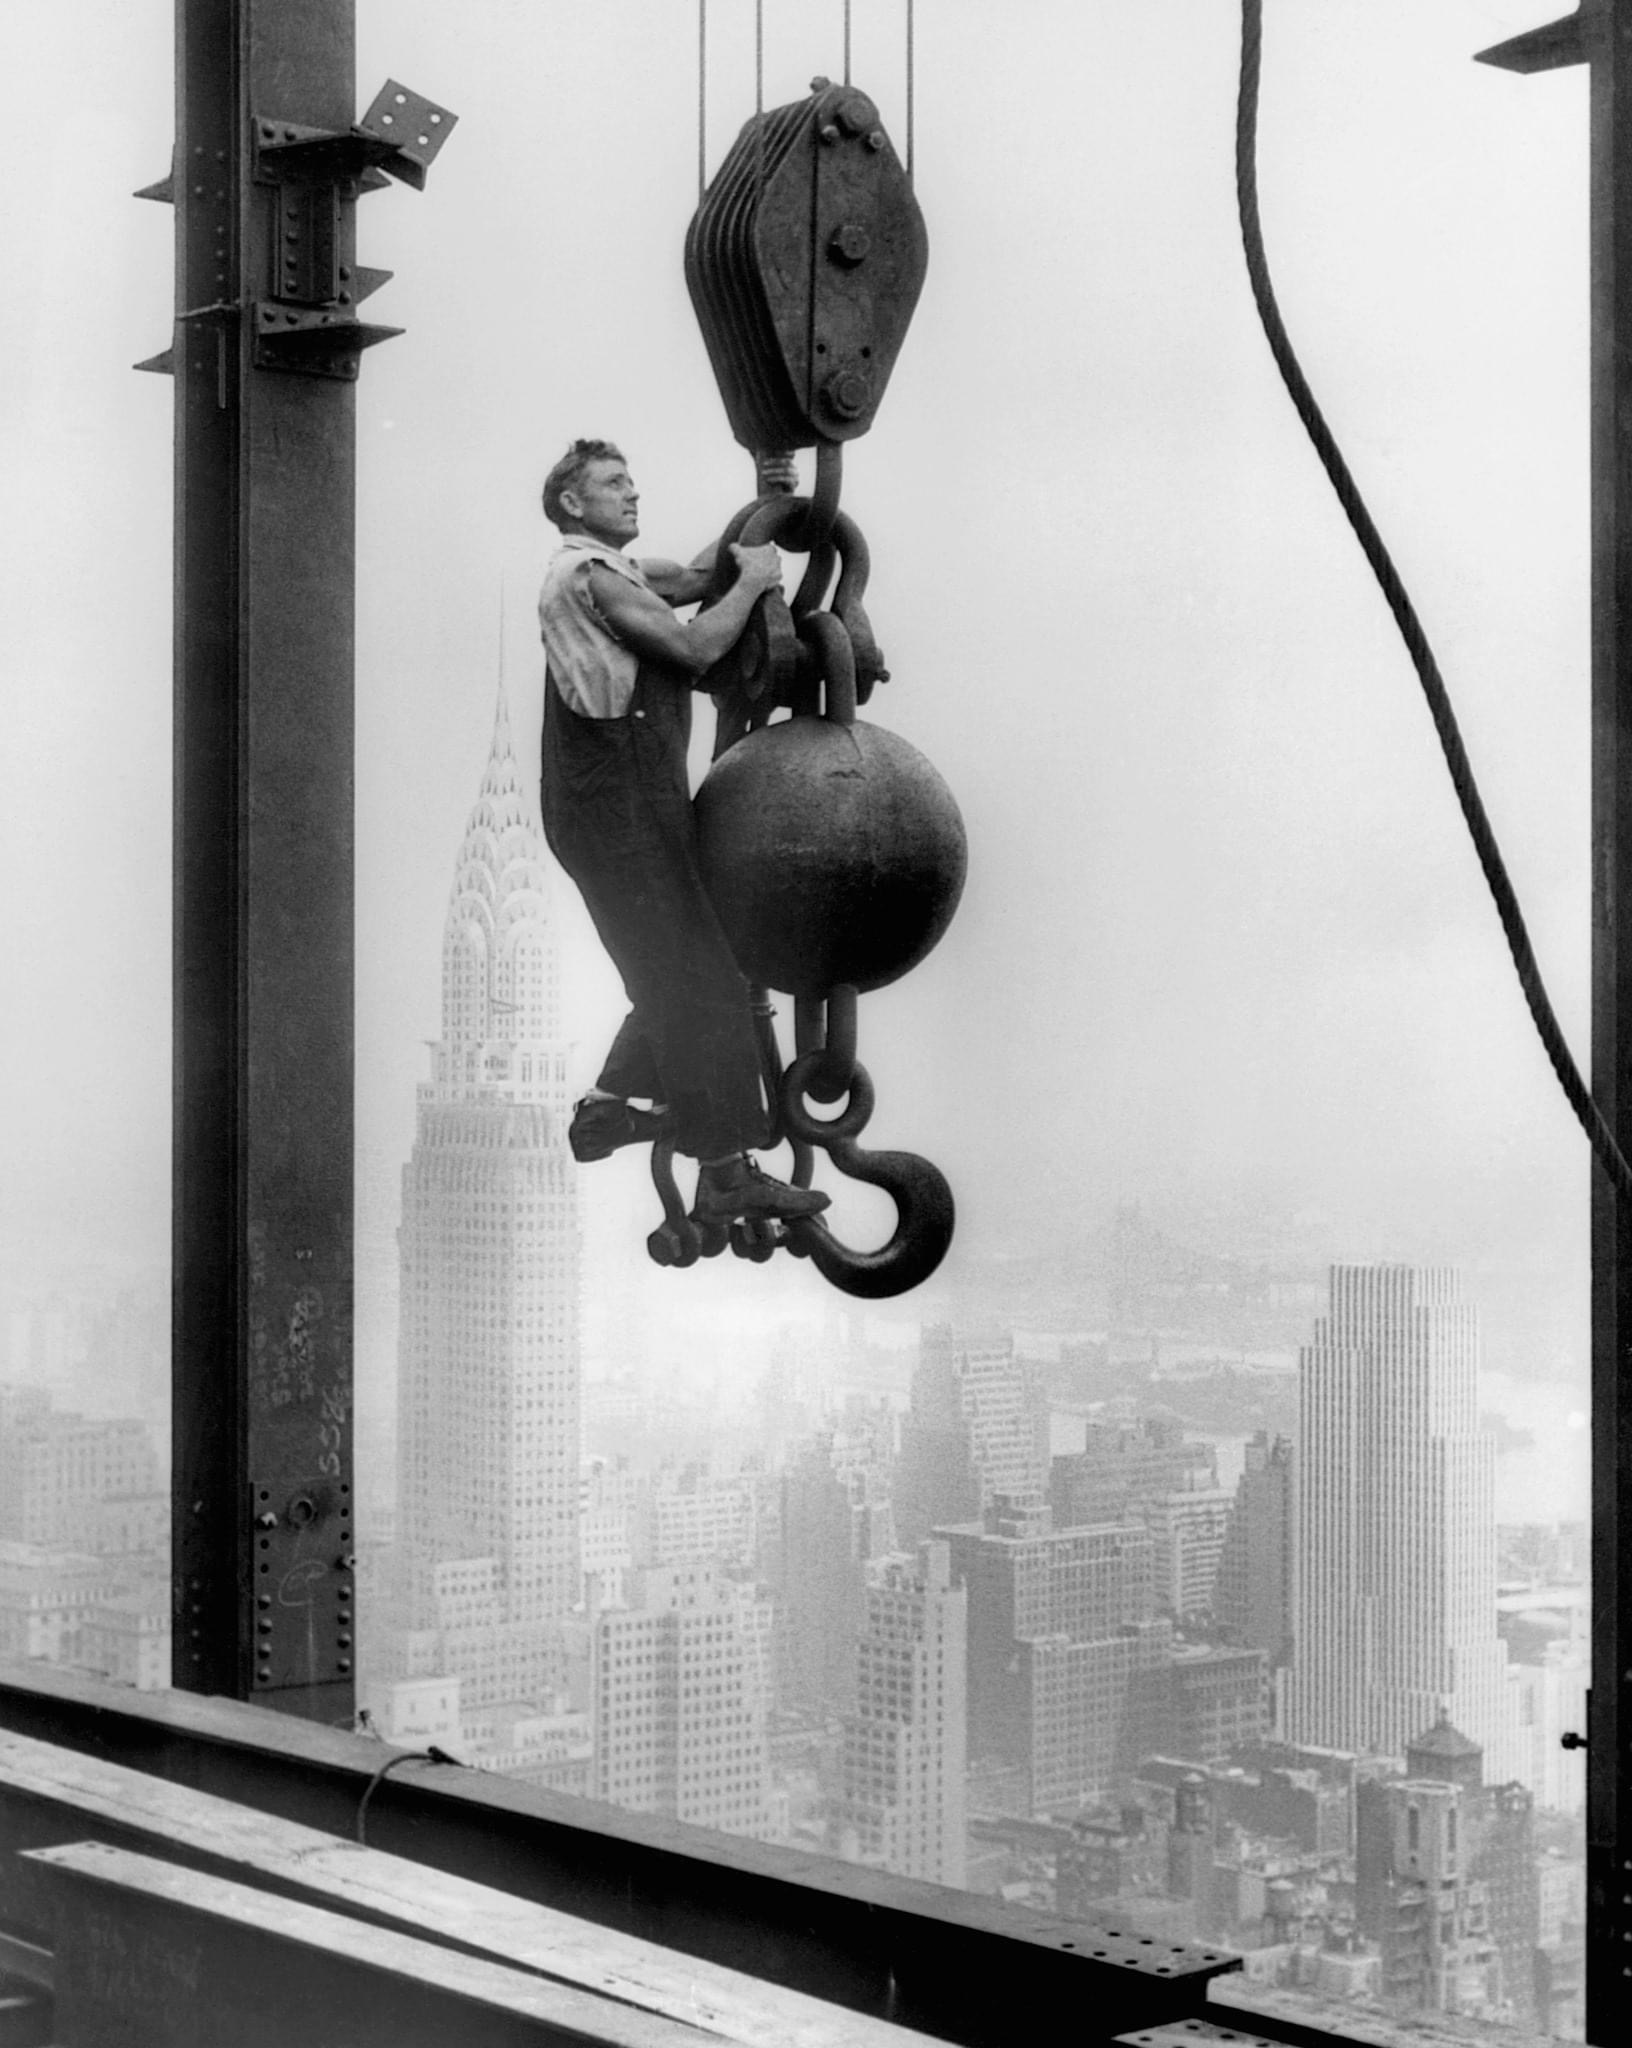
601	1123
742	1189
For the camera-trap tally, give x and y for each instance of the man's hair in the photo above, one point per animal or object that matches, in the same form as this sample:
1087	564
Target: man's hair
569	471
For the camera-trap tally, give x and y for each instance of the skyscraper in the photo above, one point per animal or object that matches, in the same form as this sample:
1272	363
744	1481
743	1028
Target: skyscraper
901	1802
1252	1599
488	1449
1394	1550
977	1428
682	1690
1067	1653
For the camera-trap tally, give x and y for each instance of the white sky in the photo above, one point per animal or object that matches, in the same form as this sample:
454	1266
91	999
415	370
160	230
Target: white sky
1224	942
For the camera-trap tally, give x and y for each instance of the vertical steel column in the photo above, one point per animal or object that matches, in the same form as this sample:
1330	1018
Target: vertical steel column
263	901
1600	34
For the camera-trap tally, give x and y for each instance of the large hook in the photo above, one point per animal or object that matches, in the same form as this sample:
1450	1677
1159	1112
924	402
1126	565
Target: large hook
924	1209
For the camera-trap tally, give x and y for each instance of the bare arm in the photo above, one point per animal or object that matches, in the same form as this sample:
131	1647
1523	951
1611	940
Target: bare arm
643	621
684	583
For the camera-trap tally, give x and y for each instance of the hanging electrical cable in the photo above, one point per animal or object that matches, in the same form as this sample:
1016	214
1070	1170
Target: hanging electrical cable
1608	1152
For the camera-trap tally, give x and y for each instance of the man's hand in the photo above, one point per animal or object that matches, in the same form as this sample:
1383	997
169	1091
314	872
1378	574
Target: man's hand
759	569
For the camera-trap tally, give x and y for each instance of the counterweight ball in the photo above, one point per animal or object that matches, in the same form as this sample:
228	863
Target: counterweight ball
833	853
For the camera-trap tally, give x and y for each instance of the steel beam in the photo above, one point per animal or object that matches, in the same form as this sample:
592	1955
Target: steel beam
1600	34
264	555
949	1963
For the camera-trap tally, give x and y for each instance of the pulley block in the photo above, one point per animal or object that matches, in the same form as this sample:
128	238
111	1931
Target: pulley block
804	262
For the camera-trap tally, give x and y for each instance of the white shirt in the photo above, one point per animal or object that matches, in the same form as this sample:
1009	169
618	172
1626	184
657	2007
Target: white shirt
591	667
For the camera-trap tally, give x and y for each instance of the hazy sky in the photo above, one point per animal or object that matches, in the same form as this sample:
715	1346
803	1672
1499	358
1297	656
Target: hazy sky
1224	942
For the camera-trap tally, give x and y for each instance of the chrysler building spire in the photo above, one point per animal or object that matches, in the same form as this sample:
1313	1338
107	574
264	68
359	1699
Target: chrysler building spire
501	1026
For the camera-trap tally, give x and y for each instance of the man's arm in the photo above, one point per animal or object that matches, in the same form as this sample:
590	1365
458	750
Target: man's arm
682	583
643	621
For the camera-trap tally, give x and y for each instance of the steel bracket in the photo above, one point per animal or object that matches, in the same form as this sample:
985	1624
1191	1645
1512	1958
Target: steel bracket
316	342
304	1579
306	322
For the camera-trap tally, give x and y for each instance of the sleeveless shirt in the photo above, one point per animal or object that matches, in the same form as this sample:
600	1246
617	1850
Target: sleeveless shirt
591	668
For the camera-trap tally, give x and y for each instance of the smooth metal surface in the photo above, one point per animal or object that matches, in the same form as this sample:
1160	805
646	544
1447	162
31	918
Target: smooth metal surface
262	1288
950	1963
832	853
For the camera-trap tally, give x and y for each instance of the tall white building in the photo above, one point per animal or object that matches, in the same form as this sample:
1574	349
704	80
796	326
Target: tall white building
901	1804
488	1357
681	1699
1394	1530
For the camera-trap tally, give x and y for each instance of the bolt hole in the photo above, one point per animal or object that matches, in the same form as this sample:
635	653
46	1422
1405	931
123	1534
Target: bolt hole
436	120
402	99
386	120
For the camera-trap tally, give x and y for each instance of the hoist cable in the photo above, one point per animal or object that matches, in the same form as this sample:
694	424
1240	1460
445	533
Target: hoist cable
1609	1153
911	54
847	41
759	89
702	97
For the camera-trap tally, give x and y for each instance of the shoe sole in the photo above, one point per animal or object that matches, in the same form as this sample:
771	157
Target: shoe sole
759	1215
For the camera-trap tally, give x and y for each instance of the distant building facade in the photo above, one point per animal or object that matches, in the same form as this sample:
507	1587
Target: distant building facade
977	1428
681	1695
1394	1547
1065	1647
57	1470
1252	1600
1446	1883
488	1382
1124	1464
901	1803
489	1490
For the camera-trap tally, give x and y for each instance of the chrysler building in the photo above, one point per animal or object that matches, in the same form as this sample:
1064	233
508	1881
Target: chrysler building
489	1344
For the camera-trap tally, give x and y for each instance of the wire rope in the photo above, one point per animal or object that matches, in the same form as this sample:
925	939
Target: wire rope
847	41
702	98
1608	1152
911	66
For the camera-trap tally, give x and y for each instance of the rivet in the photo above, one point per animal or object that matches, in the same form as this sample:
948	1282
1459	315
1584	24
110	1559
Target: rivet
876	139
344	1663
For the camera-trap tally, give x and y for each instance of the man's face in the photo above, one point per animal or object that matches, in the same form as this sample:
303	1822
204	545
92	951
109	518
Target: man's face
605	502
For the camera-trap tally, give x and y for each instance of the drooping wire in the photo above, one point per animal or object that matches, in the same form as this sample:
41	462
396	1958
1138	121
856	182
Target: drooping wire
1608	1152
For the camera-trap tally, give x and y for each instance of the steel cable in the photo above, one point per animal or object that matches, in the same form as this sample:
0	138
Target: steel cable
1608	1152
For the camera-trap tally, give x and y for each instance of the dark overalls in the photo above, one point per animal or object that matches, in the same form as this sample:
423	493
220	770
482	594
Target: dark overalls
618	817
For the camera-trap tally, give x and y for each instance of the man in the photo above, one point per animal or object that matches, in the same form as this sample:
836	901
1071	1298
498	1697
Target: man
617	813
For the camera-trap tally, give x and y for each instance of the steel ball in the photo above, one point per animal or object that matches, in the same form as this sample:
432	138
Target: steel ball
832	853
